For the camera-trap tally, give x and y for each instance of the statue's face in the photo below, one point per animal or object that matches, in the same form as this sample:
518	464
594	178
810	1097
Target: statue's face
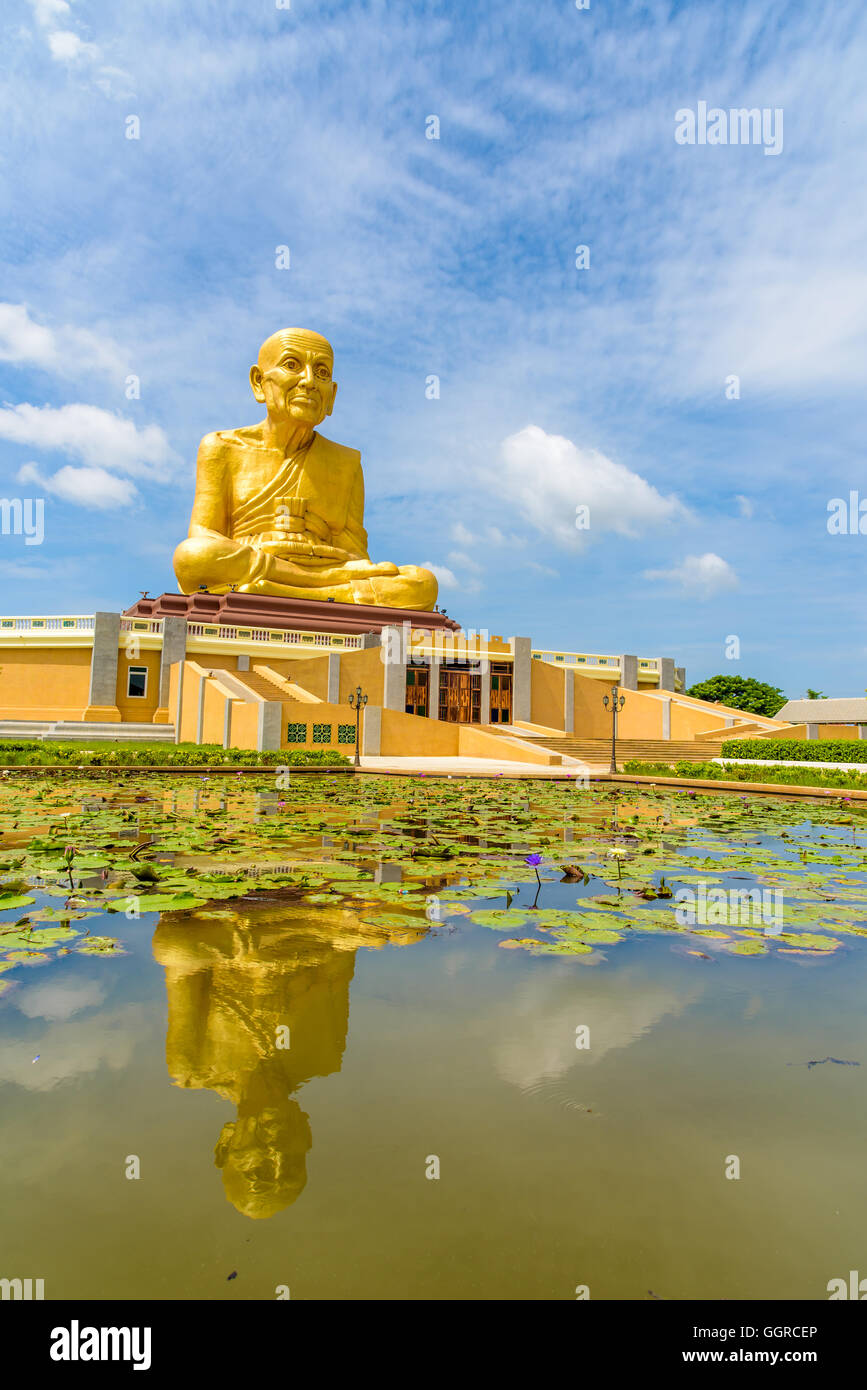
293	377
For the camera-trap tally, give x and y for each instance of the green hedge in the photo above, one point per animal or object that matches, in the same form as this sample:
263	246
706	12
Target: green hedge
33	753
822	750
780	776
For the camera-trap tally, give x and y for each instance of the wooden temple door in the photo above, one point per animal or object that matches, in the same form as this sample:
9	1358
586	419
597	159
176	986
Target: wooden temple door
501	693
417	683
460	695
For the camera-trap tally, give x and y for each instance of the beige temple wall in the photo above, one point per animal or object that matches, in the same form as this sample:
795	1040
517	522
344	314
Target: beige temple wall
132	709
294	712
547	695
688	721
363	667
44	683
411	735
591	719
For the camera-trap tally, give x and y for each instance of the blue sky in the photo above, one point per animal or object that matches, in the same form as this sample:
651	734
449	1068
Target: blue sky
559	387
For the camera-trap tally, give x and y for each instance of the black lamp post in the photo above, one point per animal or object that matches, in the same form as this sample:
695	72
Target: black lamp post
357	702
616	702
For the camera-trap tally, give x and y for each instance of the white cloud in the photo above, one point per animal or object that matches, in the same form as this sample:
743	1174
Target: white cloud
59	1001
702	575
66	350
67	46
86	487
47	11
463	561
97	437
446	578
745	506
546	478
491	535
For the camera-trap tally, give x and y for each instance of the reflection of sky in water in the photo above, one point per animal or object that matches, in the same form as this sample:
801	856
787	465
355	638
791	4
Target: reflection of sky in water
559	1165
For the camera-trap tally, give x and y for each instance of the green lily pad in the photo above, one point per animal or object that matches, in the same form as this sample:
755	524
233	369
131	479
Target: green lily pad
157	902
500	919
14	900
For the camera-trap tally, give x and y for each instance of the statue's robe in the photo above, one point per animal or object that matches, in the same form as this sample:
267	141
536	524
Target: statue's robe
241	485
328	477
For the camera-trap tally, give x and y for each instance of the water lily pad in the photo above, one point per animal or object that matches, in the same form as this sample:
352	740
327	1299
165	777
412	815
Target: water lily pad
14	900
100	946
500	918
157	902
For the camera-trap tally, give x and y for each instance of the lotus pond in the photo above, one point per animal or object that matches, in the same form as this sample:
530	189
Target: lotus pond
571	1011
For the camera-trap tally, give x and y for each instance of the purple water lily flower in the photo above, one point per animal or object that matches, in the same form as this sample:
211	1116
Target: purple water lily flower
534	860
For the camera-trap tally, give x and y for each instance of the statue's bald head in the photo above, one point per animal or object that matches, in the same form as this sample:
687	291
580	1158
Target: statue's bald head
286	338
293	376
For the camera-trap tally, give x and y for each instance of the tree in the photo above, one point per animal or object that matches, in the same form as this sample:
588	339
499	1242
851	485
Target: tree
814	694
740	692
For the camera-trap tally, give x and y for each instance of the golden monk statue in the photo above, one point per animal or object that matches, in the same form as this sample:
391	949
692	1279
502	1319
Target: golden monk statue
278	508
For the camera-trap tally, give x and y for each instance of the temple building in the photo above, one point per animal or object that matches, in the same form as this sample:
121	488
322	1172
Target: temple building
258	672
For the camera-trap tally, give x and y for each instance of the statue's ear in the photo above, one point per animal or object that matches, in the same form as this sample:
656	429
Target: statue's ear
333	397
256	382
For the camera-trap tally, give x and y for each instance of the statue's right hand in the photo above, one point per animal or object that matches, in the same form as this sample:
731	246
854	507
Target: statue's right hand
286	547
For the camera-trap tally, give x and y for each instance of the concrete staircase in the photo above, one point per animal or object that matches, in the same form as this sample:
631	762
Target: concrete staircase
598	750
265	684
68	731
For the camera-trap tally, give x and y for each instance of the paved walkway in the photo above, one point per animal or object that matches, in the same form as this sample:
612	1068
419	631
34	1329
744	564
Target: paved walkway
477	767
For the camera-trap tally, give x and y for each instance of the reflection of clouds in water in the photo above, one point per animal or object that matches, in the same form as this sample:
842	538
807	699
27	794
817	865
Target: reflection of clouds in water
74	1049
546	1012
58	1000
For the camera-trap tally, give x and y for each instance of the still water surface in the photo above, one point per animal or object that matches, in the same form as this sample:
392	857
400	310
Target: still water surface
305	1166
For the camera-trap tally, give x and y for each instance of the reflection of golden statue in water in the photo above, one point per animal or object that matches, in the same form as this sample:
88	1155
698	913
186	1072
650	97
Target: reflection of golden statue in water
279	509
234	981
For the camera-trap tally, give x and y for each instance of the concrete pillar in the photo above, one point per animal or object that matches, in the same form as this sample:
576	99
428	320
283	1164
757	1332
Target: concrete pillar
243	663
394	661
522	677
371	730
666	719
179	702
174	649
569	702
680	675
102	701
270	732
628	673
812	731
227	722
200	716
666	673
862	730
485	700
433	690
333	678
729	722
